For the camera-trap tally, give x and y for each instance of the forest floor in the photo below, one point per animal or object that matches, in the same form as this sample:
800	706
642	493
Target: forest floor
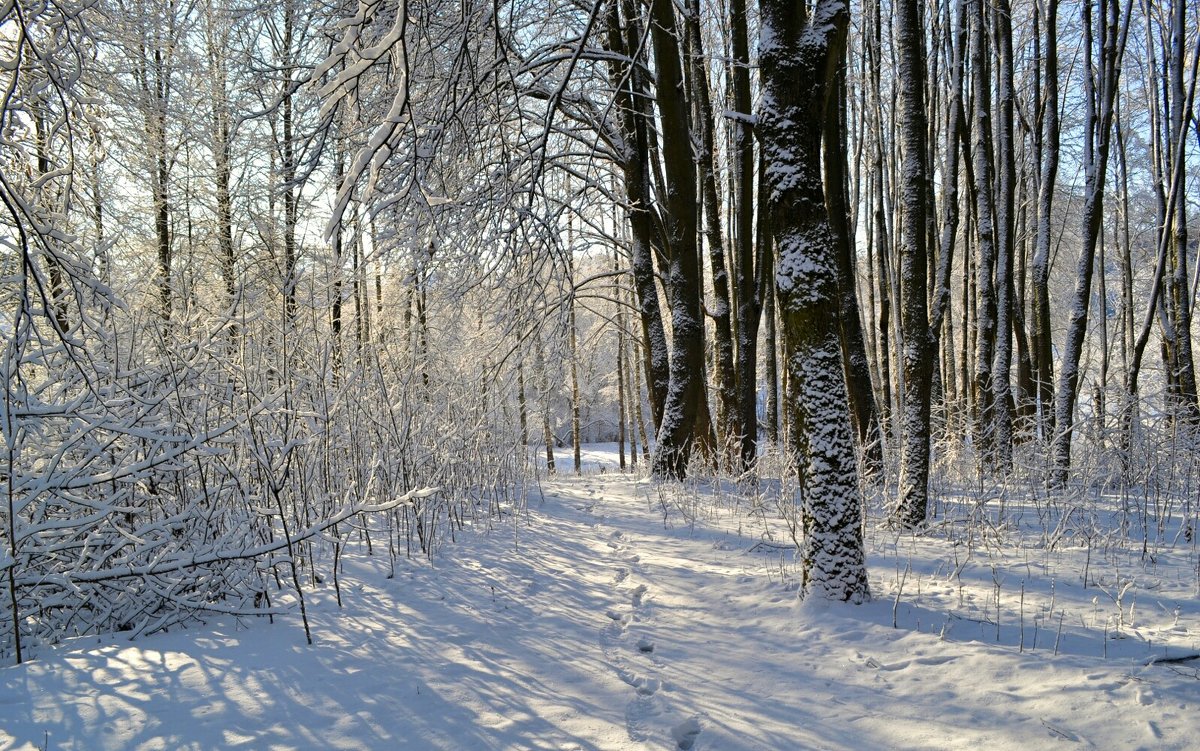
617	614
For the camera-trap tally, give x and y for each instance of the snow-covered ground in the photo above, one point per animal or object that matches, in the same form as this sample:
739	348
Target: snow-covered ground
615	614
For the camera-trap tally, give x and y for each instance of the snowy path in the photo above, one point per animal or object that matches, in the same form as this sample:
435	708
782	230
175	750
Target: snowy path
595	627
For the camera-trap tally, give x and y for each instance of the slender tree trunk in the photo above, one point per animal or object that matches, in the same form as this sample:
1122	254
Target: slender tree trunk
222	147
287	163
1164	250
335	312
1100	84
1043	348
58	291
985	262
632	99
643	434
1179	296
770	361
522	404
576	425
728	424
917	343
544	397
683	425
955	127
1005	242
854	351
747	278
622	400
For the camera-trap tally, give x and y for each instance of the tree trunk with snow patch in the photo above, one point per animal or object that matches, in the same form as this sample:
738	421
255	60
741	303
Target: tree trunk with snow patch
799	56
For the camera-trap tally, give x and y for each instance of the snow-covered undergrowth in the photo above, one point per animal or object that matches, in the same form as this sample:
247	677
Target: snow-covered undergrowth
614	613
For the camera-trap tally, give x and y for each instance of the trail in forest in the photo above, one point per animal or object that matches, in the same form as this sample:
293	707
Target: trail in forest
617	614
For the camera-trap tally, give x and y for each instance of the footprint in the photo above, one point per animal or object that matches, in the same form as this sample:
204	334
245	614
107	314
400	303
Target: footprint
641	684
685	733
645	646
618	616
638	593
621	575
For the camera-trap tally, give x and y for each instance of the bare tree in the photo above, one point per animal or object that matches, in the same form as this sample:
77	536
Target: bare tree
799	58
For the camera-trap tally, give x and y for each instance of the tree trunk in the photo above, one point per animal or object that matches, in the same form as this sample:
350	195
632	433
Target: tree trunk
854	351
1179	297
747	278
1043	348
917	359
985	262
686	405
1005	243
799	57
631	100
1100	85
728	424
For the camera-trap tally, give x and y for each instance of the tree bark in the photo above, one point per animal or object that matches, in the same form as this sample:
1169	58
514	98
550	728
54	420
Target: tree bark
917	358
1100	85
799	56
985	262
854	351
1005	243
747	273
682	425
1043	348
624	37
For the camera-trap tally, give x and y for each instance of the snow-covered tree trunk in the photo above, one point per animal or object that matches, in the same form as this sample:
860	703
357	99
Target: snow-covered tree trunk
1102	71
748	263
985	261
917	347
624	37
1180	295
798	58
1043	350
863	413
1005	243
728	416
684	424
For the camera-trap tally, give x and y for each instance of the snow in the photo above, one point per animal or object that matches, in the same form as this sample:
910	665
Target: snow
620	614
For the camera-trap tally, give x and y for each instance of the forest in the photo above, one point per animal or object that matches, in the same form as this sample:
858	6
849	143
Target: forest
292	284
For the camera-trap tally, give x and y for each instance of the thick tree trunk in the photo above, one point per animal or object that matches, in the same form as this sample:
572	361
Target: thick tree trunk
798	59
